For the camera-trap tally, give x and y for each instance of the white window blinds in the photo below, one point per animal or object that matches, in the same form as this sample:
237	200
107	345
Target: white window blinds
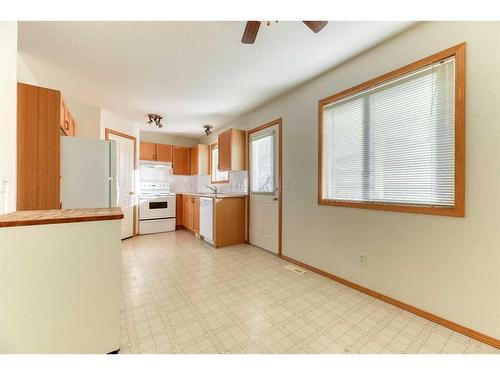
393	143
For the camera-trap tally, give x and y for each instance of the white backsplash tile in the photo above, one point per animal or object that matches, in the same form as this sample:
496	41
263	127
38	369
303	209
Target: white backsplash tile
238	183
183	184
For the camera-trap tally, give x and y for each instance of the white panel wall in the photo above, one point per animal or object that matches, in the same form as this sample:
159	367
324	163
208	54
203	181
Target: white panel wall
444	265
8	109
60	288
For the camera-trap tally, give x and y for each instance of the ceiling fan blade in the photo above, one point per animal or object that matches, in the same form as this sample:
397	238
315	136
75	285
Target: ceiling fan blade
315	26
250	32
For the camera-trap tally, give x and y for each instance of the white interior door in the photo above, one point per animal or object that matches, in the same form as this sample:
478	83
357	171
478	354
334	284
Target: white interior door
126	182
264	190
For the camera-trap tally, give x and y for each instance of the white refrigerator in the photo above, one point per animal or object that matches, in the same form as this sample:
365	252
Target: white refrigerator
88	173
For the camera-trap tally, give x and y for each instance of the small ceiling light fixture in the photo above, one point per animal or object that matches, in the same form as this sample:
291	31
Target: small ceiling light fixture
155	119
208	129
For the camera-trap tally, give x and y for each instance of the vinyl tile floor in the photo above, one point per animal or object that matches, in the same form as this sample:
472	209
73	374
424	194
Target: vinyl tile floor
179	295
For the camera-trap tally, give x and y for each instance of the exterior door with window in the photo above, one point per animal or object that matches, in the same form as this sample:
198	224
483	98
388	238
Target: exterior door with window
264	192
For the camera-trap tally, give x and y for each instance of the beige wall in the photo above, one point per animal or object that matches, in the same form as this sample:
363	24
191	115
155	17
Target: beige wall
8	104
444	265
168	139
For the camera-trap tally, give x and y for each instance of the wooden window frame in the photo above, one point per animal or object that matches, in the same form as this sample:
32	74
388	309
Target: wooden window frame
212	181
458	209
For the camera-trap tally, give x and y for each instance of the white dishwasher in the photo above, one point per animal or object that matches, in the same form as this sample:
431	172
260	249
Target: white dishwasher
206	219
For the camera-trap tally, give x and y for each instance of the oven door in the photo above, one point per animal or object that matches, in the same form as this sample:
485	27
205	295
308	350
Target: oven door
156	208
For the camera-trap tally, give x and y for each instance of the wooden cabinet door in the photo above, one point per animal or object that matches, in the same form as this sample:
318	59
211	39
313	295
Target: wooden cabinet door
187	215
178	210
185	207
147	151
224	141
38	147
196	215
71	131
65	120
229	221
164	153
203	160
190	219
193	169
180	162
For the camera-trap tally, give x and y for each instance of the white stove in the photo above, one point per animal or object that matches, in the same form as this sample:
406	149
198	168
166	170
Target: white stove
156	208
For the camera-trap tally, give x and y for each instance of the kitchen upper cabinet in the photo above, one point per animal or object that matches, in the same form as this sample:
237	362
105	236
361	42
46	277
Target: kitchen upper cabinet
232	150
67	122
181	160
199	160
147	151
155	152
42	117
164	153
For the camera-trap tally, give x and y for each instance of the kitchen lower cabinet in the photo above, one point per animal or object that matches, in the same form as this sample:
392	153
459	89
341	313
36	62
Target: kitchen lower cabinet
229	221
196	215
191	213
178	210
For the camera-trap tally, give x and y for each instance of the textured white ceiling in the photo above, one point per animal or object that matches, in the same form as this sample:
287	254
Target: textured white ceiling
191	72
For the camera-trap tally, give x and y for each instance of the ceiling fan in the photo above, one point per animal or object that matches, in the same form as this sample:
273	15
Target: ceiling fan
252	28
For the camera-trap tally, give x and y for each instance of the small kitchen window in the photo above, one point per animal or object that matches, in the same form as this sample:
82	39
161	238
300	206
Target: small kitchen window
216	176
397	142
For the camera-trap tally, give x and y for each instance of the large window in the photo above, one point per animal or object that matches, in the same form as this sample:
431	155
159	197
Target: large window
396	142
216	176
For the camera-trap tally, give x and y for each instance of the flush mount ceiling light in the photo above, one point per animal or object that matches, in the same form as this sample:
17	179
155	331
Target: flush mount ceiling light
208	129
155	119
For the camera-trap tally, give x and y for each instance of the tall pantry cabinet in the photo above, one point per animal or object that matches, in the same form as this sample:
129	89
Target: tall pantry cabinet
42	117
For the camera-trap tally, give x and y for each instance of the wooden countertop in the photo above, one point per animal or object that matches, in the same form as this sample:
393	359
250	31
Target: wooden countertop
24	218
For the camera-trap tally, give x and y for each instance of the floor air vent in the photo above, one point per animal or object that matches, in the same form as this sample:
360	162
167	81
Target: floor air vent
292	268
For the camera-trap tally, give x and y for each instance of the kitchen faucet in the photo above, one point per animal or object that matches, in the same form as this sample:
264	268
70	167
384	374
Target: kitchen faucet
213	188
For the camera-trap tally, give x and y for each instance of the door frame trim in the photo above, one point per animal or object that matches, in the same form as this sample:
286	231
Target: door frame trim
107	132
279	122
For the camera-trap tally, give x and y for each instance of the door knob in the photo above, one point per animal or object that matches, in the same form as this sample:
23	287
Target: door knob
131	193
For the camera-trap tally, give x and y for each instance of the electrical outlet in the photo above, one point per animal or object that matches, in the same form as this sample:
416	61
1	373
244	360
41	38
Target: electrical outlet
362	259
4	185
